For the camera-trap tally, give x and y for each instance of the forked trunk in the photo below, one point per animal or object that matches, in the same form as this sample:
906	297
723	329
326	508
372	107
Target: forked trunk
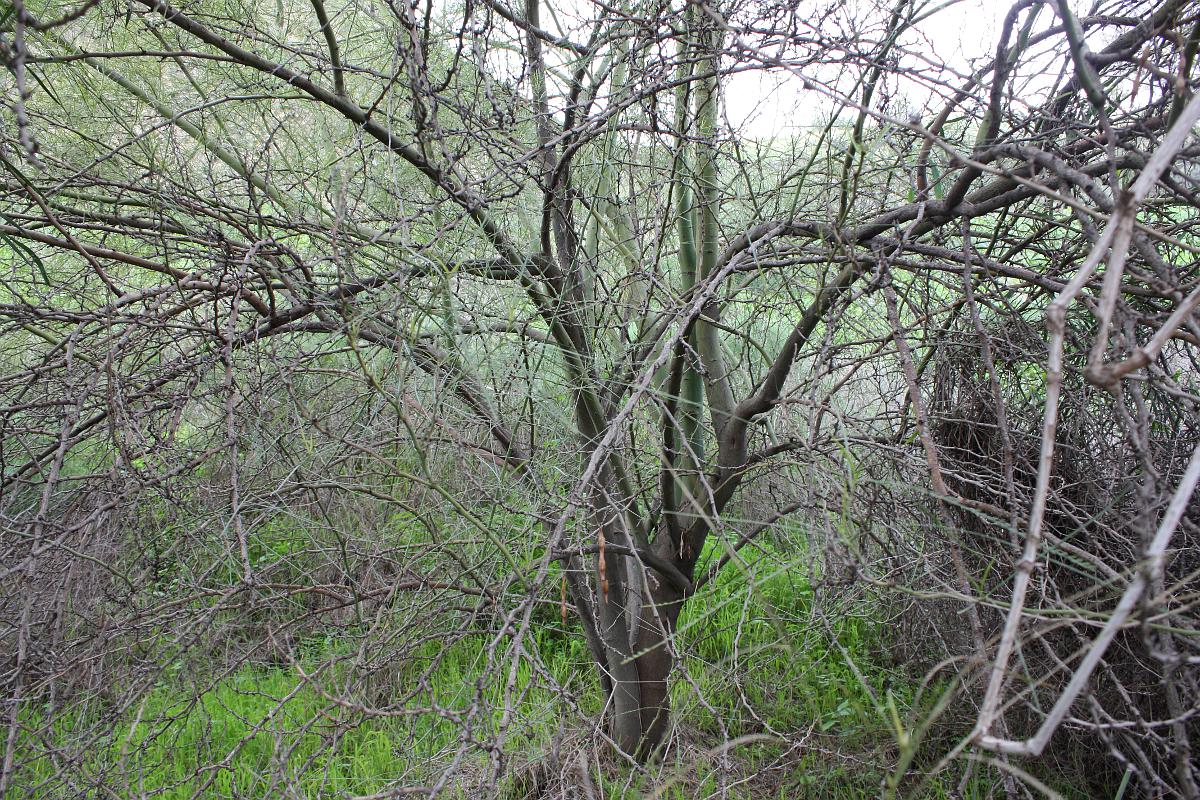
639	710
655	661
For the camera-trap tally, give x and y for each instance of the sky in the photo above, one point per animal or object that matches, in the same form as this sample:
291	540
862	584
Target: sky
771	104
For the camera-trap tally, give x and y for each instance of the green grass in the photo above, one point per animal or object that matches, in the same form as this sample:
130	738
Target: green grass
247	725
236	737
761	664
794	673
756	663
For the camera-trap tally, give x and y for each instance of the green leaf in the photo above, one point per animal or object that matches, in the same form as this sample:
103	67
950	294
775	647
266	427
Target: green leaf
28	255
45	86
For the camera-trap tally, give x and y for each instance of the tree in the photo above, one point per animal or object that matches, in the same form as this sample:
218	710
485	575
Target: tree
461	191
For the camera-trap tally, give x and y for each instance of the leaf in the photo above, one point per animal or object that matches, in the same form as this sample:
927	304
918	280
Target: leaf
936	180
28	255
45	87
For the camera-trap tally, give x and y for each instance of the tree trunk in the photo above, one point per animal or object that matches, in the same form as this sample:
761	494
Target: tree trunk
639	716
655	661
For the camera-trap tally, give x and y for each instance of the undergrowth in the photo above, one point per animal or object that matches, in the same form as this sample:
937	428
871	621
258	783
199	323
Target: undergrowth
757	664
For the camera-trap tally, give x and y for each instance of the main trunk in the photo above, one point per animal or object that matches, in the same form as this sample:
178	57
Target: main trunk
639	716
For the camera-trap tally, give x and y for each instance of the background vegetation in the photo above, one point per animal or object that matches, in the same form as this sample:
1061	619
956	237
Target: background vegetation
473	400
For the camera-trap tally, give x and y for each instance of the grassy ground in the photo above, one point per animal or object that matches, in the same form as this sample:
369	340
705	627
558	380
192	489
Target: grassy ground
760	665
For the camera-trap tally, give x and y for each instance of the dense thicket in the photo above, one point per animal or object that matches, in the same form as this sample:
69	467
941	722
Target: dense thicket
408	398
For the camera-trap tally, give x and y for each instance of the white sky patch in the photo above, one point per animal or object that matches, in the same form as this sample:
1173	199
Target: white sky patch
951	40
770	104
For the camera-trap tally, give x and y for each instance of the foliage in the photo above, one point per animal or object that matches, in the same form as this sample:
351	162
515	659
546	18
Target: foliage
487	364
